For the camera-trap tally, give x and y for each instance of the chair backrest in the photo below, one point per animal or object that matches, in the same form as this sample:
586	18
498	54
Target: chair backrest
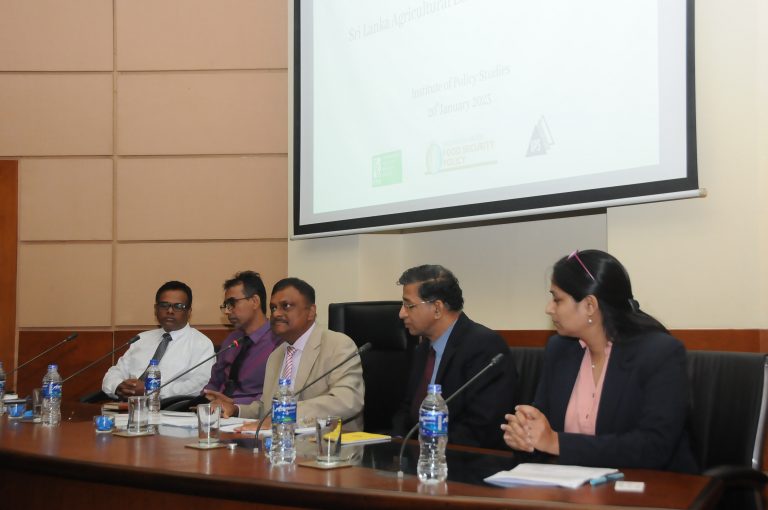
729	393
387	365
528	362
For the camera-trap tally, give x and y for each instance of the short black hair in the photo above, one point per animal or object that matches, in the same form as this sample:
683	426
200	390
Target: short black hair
436	282
303	287
252	286
175	285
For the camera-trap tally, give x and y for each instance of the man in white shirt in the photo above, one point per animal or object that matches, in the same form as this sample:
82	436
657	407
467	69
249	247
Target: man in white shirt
175	344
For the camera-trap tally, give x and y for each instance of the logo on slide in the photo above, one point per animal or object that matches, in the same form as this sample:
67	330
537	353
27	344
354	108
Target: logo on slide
387	169
541	139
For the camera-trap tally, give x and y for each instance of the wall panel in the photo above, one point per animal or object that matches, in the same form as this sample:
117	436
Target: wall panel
65	285
8	257
237	112
65	199
237	34
51	35
222	198
55	114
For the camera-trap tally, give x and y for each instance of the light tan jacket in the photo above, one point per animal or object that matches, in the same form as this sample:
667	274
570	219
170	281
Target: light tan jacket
340	393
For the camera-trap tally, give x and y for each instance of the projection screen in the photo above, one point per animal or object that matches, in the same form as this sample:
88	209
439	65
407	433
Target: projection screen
420	112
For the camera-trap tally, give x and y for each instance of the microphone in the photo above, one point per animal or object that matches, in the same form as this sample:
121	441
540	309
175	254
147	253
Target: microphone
69	338
110	353
495	361
360	350
234	343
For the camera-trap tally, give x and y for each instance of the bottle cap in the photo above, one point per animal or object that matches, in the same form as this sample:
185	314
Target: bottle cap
53	366
153	362
434	388
284	381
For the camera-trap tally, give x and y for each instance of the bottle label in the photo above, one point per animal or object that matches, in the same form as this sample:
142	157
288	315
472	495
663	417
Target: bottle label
52	390
151	384
283	412
433	423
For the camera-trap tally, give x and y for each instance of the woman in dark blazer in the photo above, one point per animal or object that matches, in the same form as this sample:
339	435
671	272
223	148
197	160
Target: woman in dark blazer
614	387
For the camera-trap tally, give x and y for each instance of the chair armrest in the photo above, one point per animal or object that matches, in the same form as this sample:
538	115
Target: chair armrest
96	397
739	476
169	401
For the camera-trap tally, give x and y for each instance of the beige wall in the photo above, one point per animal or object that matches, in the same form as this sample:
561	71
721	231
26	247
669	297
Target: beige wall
152	139
107	108
699	263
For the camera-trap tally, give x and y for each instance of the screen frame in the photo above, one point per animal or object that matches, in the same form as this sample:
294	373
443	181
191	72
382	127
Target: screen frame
535	206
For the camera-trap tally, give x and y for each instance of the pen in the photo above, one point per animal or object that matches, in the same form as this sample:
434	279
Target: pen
605	479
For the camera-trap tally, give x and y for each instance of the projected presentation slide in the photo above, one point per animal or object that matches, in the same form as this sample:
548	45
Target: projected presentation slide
421	103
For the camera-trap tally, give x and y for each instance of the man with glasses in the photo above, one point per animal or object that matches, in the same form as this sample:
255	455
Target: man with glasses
308	351
175	344
453	349
239	372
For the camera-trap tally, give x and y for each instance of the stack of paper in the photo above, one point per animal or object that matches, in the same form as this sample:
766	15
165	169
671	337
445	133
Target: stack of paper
363	438
547	475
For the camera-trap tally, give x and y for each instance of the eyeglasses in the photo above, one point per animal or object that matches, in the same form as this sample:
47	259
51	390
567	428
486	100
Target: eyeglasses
411	306
229	304
575	255
165	305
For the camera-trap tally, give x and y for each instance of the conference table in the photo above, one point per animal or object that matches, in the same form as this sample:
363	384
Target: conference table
71	466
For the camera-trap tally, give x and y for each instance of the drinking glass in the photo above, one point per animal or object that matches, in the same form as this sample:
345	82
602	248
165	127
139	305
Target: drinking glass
208	419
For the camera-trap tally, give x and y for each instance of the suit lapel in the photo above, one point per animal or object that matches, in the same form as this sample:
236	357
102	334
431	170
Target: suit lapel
620	367
308	358
272	373
454	340
565	369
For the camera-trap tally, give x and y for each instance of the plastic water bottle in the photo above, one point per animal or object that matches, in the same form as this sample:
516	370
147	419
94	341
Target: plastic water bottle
2	389
51	413
152	390
283	447
433	436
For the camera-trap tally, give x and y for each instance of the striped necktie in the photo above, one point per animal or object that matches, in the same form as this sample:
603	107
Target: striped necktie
288	367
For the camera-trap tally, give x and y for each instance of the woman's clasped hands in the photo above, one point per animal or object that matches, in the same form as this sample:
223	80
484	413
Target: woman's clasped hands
528	430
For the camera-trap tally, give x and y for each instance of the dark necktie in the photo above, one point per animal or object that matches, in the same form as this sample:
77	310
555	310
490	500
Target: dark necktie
158	352
421	391
234	370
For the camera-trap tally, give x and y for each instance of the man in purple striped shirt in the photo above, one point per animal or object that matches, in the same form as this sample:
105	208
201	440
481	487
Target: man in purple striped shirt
239	372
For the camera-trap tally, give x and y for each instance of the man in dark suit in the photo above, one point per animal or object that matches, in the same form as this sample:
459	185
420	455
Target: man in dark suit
453	349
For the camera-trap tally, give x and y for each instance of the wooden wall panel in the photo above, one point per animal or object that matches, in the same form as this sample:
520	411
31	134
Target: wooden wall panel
71	357
736	340
74	355
9	182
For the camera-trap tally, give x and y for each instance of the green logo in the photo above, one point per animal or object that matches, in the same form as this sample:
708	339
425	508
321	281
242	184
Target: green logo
387	169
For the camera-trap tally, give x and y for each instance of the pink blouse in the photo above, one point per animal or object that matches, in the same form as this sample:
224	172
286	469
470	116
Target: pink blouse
581	414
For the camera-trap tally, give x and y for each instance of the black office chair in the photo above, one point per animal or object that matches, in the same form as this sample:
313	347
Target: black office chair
529	362
387	365
729	402
96	397
174	403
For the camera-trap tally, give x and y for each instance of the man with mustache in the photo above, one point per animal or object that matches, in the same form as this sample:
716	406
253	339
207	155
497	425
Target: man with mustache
308	351
176	345
239	372
453	349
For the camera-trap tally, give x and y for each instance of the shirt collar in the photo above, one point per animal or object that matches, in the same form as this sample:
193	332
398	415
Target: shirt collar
439	344
256	335
303	339
175	335
608	346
